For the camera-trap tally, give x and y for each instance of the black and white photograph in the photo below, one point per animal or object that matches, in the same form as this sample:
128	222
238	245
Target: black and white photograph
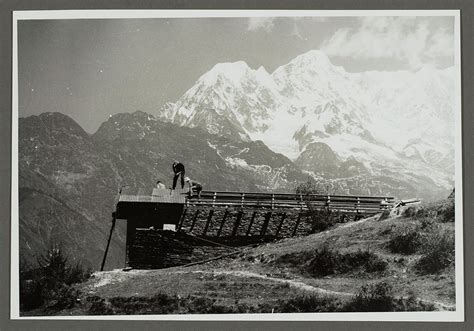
237	165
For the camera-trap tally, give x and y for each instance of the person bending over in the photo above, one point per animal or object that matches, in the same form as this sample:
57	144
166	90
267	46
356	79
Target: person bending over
193	187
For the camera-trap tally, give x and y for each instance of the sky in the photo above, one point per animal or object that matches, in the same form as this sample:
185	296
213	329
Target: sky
91	69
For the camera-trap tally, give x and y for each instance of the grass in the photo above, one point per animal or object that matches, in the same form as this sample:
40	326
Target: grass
376	297
162	303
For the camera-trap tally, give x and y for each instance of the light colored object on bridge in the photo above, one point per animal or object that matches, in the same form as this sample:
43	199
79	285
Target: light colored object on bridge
406	202
171	227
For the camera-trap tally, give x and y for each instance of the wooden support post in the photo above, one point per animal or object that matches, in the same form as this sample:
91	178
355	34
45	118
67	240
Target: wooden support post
273	201
251	222
237	223
283	216
131	229
208	222
181	220
194	220
222	222
242	202
297	223
265	223
108	242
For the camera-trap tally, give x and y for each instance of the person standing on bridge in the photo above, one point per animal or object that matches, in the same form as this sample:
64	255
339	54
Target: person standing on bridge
193	187
178	169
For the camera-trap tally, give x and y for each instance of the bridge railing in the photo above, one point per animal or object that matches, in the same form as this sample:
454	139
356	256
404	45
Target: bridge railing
290	201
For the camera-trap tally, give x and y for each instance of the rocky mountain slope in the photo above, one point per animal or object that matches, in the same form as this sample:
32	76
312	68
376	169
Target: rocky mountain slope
69	179
398	125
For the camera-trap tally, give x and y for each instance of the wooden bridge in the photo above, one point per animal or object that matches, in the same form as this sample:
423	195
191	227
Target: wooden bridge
192	214
219	215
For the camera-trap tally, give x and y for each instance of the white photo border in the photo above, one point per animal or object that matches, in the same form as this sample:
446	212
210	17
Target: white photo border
444	316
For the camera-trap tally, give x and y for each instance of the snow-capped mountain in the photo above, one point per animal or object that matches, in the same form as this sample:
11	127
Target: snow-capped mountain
398	122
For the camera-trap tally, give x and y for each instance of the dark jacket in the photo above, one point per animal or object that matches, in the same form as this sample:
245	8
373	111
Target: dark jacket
178	167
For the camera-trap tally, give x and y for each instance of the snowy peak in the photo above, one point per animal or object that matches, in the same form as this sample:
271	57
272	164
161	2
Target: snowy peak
231	72
311	78
234	97
312	60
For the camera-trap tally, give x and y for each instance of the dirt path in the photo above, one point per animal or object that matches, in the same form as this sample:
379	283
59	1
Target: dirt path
294	283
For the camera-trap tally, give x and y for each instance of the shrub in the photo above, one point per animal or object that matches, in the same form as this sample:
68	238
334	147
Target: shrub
412	303
372	298
446	211
98	306
308	187
379	297
427	223
324	262
375	264
60	297
308	304
409	212
405	240
49	285
322	219
327	262
441	211
437	251
158	304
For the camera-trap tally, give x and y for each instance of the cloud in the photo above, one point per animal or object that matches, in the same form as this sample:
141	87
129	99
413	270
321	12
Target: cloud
296	32
412	40
257	23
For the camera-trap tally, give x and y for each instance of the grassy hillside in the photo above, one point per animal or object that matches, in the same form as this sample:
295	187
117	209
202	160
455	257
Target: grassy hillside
401	261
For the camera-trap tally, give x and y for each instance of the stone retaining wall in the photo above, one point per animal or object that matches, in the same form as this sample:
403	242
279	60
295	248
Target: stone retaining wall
154	249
